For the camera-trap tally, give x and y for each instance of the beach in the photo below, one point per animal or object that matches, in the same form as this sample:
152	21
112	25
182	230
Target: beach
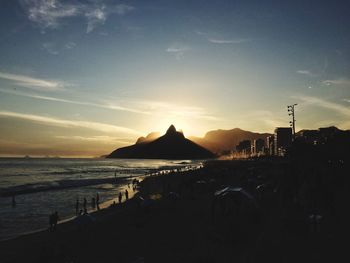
177	221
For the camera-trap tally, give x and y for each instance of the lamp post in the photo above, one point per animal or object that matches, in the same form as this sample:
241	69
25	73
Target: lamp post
292	122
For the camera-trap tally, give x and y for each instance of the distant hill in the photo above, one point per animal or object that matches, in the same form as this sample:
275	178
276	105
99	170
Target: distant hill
225	140
172	145
150	137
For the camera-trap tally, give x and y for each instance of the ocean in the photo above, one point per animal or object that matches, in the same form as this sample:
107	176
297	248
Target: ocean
41	186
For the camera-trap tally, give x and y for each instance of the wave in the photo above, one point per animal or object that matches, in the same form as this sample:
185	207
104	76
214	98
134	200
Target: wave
59	185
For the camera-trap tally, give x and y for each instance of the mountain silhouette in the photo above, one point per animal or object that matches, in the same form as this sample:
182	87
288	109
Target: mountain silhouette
219	141
172	145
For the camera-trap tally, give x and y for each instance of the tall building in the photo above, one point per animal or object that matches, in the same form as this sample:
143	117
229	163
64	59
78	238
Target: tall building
283	139
258	147
270	145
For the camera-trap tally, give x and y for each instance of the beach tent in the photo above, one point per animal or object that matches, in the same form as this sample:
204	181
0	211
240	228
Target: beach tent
233	200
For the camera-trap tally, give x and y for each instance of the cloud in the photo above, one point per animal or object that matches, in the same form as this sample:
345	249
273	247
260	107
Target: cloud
144	107
105	105
228	41
215	40
347	100
50	48
338	108
50	14
178	50
306	72
95	17
337	82
100	139
33	83
70	45
54	49
97	126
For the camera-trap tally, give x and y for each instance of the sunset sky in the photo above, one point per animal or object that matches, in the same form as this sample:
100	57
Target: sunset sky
81	78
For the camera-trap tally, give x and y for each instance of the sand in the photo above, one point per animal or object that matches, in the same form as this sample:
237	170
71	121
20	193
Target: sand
182	227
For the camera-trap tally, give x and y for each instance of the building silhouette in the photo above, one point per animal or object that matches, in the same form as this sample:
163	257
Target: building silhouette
282	139
258	147
270	145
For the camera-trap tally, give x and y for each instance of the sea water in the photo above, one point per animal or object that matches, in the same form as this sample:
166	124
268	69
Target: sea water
42	186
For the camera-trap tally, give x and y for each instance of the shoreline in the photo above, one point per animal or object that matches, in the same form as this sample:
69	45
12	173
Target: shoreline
93	212
186	227
107	204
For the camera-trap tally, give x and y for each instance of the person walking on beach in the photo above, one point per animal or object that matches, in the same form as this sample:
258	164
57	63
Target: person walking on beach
126	194
120	197
14	201
93	203
77	207
98	201
51	223
55	220
84	205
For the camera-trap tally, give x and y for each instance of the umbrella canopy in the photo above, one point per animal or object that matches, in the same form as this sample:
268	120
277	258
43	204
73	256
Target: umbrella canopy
237	192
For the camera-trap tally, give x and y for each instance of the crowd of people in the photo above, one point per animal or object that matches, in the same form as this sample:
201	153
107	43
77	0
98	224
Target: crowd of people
82	208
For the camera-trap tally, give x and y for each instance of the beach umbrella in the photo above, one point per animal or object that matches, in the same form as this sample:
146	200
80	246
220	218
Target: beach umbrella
235	192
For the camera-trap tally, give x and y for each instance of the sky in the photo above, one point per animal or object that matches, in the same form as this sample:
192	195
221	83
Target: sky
81	78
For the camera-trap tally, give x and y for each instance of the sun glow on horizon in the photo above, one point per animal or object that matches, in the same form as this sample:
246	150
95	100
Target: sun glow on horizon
180	124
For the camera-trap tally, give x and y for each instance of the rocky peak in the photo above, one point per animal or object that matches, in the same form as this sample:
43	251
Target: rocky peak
171	130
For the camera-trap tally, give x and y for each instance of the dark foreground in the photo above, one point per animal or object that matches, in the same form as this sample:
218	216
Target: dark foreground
179	221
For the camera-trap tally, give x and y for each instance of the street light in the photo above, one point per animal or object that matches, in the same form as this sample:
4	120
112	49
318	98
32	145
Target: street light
290	109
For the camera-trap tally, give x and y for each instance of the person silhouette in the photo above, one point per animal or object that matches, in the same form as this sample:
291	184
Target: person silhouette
55	220
126	194
77	207
14	201
98	201
84	205
93	203
120	197
51	219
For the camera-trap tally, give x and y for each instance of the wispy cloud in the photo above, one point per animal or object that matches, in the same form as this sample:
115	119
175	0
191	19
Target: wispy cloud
338	108
100	139
33	83
97	126
95	17
55	49
70	45
228	41
50	14
337	82
220	40
144	107
50	48
105	105
178	50
347	100
306	72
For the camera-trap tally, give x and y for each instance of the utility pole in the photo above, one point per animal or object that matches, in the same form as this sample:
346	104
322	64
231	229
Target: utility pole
292	122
